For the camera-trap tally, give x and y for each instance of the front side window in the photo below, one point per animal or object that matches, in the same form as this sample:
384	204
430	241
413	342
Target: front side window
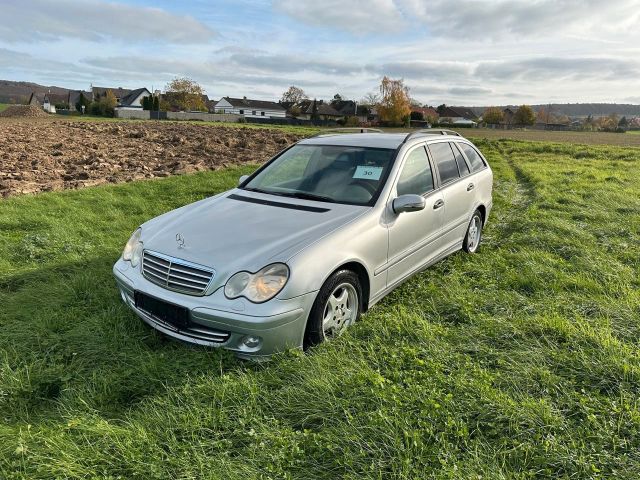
474	157
445	161
416	176
340	174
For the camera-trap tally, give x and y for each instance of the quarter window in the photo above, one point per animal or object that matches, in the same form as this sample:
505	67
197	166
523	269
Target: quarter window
462	165
416	176
474	157
445	161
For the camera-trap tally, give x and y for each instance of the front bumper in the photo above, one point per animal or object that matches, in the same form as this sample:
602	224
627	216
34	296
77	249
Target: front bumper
219	322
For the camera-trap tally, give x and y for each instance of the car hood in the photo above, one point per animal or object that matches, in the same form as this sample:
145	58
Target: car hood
231	234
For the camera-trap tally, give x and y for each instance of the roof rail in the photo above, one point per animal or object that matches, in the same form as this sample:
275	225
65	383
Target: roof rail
349	129
431	131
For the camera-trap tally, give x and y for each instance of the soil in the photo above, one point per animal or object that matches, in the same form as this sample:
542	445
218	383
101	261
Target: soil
39	155
23	111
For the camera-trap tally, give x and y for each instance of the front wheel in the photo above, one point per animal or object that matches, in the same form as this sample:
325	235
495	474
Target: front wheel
474	233
338	305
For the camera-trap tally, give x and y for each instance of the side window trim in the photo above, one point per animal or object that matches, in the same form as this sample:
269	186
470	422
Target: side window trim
485	164
456	148
448	182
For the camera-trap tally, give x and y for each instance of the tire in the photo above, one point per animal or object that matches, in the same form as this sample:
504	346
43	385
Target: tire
473	237
341	295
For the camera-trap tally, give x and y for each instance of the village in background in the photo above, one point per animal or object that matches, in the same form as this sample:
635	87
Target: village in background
392	106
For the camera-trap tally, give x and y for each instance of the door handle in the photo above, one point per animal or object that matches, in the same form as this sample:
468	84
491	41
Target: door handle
438	204
470	187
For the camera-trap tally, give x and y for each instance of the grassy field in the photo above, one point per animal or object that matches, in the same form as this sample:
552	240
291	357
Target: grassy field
3	106
519	362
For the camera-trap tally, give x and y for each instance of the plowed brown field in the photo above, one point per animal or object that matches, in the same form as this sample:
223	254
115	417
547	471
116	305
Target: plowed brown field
42	154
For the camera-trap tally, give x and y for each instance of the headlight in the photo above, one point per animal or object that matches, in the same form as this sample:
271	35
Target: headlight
133	249
260	286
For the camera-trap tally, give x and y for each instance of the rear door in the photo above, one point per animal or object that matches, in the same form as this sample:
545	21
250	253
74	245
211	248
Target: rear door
457	190
414	237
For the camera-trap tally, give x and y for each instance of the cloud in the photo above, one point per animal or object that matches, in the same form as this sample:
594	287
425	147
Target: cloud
292	63
557	68
469	91
424	70
355	16
465	19
96	21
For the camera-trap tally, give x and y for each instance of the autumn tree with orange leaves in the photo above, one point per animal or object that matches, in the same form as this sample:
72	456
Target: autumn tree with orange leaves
395	105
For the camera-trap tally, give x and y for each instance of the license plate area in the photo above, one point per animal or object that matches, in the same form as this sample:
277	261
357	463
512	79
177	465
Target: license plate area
174	315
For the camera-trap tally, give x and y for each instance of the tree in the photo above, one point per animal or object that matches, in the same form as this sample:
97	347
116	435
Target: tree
314	112
394	108
417	115
370	99
156	104
295	111
493	116
145	103
293	95
109	103
82	101
623	123
185	94
524	115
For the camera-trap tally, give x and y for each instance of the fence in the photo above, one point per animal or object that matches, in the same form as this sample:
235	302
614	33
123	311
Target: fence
197	116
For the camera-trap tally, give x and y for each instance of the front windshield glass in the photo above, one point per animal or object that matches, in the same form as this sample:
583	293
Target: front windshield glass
341	174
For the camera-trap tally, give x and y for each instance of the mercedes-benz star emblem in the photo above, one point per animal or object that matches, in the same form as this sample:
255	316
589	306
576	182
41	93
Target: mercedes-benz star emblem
180	240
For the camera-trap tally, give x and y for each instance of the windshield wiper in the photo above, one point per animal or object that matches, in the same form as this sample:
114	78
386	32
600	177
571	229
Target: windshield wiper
308	196
301	195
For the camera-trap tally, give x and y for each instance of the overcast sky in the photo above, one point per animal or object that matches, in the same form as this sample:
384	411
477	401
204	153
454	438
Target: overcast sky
464	52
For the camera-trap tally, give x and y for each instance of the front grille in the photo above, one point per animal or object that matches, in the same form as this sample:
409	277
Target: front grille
176	274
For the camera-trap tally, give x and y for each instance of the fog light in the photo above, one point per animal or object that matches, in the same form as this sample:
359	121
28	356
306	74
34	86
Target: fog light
251	341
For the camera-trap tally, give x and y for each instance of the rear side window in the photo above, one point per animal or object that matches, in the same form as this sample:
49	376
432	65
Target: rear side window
462	164
474	157
416	176
445	161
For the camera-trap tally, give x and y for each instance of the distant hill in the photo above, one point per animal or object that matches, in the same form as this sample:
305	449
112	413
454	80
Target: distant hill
580	109
19	92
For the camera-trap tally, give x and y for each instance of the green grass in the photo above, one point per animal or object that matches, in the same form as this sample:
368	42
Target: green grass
519	362
3	106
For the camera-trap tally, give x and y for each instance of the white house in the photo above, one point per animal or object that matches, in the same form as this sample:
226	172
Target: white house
47	105
133	100
250	108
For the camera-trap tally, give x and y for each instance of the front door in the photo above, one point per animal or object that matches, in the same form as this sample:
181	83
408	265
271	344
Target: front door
414	237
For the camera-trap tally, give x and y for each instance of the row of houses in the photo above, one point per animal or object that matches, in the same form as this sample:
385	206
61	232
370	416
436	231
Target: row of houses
305	110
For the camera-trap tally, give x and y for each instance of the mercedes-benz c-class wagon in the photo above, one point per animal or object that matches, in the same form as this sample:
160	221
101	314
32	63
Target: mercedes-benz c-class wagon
311	240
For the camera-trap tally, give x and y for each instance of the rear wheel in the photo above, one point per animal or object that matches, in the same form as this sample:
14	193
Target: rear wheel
338	305
474	233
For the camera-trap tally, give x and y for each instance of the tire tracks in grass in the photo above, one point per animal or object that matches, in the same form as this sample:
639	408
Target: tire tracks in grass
517	195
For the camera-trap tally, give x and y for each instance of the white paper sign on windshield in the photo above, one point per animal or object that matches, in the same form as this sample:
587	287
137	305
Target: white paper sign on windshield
367	173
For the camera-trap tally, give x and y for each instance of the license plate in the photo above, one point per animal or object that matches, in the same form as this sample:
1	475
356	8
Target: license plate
167	312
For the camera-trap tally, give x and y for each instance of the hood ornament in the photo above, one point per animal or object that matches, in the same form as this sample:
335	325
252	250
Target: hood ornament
180	240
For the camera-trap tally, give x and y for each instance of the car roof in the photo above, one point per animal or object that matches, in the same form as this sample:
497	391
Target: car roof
371	140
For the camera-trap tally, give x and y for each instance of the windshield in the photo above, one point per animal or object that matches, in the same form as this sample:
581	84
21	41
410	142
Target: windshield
340	174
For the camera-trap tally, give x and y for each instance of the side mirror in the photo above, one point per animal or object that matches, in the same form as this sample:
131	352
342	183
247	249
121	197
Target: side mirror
408	203
242	179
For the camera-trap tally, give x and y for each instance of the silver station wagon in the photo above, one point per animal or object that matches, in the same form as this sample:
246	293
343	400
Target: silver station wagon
315	237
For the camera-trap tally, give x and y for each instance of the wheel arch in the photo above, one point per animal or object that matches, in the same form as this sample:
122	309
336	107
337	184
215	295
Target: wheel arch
363	276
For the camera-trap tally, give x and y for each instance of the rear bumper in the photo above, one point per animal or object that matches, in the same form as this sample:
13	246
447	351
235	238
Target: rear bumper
219	322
